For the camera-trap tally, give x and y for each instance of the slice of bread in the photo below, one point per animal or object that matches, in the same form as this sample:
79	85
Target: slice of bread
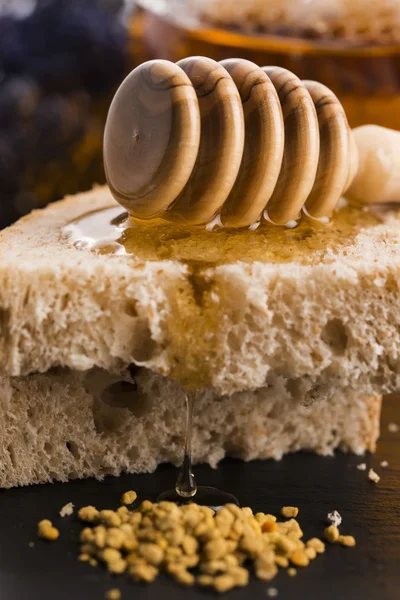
317	316
68	424
292	337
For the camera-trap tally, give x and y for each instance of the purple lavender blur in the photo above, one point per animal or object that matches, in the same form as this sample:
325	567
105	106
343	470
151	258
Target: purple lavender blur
60	62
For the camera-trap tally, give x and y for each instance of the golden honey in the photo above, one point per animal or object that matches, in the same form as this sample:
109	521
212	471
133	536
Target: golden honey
112	231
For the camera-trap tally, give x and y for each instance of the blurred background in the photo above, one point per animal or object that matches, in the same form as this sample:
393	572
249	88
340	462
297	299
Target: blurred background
61	61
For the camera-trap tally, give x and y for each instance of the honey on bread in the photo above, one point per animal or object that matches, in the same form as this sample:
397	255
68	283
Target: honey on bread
111	231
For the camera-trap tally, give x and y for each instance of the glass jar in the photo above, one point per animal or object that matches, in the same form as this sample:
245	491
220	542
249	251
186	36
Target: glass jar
363	71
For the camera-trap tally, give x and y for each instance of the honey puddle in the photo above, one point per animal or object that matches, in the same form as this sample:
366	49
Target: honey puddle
111	231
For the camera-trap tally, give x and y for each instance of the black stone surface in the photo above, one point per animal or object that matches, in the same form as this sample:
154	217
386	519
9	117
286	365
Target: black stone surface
370	571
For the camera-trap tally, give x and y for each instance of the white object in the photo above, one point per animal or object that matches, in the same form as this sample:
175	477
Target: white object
334	518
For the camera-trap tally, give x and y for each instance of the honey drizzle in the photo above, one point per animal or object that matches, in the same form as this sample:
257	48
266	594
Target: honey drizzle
186	486
186	489
111	231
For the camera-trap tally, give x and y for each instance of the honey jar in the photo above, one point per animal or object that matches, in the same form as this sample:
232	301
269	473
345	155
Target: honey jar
359	59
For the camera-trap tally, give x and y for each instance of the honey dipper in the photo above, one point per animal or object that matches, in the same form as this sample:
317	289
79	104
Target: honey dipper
196	139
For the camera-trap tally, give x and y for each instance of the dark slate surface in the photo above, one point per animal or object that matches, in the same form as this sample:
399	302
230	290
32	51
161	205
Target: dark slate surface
371	571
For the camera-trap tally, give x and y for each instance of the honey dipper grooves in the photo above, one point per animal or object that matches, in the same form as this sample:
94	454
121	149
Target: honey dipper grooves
199	139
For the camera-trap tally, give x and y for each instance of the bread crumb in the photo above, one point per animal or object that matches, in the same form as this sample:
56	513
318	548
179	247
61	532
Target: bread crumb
292	572
373	476
113	594
289	512
67	510
347	540
47	531
384	463
272	592
334	518
361	467
393	428
128	497
331	534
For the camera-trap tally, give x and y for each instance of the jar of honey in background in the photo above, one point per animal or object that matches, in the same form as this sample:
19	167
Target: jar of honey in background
352	46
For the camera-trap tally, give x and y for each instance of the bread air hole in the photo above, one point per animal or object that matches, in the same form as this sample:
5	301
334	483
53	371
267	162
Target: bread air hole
124	394
215	437
107	419
11	453
119	394
4	319
297	388
109	408
145	346
72	447
334	334
65	299
130	308
133	453
234	342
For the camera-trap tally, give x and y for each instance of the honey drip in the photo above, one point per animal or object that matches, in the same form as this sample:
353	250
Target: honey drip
186	484
186	489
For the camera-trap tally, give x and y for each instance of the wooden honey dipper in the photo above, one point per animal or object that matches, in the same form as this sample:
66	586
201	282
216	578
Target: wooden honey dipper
196	139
